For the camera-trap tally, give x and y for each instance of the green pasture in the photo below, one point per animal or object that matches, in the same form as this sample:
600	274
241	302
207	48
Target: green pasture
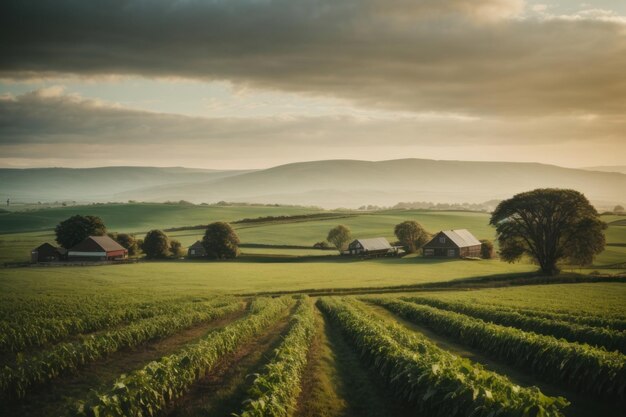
140	217
606	299
249	274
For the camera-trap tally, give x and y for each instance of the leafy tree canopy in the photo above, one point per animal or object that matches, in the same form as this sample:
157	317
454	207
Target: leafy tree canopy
128	241
339	236
220	241
549	225
176	248
156	245
74	230
411	235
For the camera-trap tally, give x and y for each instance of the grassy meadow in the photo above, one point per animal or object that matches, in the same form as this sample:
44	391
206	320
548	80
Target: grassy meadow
22	231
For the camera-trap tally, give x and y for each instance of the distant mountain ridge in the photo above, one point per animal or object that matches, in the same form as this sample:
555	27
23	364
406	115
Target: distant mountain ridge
330	183
608	168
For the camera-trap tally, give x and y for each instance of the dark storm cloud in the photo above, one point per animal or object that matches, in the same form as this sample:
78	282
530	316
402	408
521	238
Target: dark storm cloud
468	56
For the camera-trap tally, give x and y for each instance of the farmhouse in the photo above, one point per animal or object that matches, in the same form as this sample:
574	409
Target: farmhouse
196	250
47	253
97	248
458	243
378	246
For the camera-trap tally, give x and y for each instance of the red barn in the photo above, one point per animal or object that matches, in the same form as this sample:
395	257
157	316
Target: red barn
97	248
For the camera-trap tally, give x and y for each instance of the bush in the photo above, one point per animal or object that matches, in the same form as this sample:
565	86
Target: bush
486	249
176	249
321	245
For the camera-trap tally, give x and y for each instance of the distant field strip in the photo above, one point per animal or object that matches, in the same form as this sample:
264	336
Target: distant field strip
580	367
597	336
435	381
154	387
40	367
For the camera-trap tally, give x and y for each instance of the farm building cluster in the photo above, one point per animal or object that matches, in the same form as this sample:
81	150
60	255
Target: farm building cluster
460	243
93	248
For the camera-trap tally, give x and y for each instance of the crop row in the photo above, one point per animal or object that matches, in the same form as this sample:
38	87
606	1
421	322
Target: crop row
16	380
435	381
597	336
585	319
275	391
146	391
17	335
581	367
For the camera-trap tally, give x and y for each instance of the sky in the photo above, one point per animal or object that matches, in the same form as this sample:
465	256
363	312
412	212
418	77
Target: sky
236	84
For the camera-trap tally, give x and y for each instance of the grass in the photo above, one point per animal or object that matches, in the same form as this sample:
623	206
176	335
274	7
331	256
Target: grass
246	275
605	299
140	217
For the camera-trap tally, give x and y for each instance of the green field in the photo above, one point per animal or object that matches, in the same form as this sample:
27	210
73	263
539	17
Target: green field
192	338
16	240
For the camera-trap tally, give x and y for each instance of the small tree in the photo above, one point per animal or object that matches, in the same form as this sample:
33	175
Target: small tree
156	245
77	228
549	225
127	241
339	236
486	249
176	249
618	209
220	241
411	235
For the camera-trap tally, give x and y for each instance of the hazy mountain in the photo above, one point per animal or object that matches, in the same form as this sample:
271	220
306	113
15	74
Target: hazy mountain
608	168
95	184
334	183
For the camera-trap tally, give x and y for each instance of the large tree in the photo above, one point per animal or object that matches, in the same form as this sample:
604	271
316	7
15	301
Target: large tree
550	225
339	236
77	228
220	241
156	245
411	235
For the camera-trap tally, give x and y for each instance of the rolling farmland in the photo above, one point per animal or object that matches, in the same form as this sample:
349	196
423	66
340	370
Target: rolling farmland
190	352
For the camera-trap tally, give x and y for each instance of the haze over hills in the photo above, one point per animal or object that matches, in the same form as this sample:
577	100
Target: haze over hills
608	168
329	184
95	184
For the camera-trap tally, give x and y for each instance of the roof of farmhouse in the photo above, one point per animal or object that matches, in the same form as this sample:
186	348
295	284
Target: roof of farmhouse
377	243
461	237
97	244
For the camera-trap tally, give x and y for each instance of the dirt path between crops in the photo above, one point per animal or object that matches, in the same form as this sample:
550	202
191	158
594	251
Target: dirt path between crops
59	397
581	405
337	384
224	389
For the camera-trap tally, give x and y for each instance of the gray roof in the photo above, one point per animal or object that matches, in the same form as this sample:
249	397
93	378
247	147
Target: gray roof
377	243
461	237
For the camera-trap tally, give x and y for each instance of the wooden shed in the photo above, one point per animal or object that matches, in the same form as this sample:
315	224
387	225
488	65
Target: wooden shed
458	243
97	248
47	253
378	246
196	250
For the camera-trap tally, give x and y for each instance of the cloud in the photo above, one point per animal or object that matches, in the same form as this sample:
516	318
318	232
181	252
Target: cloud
46	125
474	57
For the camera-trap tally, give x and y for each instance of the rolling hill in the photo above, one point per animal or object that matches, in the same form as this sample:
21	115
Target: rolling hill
95	184
329	184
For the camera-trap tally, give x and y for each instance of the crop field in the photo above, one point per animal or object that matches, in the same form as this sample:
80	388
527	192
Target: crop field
112	350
